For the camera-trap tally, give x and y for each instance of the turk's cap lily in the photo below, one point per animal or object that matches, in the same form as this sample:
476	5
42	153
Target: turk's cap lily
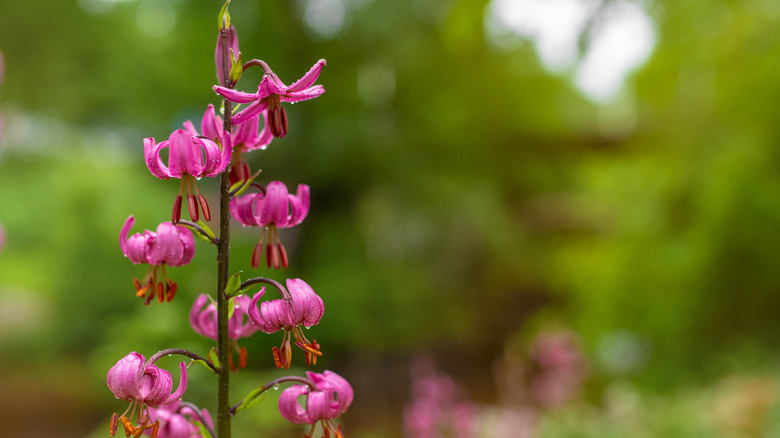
204	320
274	207
188	154
332	398
131	380
272	90
171	244
305	308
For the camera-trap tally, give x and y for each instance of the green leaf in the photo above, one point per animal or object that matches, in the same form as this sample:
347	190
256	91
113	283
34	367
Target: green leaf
233	285
214	357
251	399
204	432
243	185
203	363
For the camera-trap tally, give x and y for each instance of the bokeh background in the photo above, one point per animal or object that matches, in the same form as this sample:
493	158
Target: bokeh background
530	218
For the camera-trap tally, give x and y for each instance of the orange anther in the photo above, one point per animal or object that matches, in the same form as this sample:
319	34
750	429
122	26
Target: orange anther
114	424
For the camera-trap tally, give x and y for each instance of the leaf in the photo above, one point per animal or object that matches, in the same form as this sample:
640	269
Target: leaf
204	432
251	399
203	363
208	231
214	357
241	186
233	286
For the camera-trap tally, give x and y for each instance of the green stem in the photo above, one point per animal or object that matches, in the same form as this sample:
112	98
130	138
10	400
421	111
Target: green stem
223	250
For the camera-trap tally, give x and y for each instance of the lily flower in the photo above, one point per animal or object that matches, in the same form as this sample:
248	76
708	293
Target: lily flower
176	420
143	386
170	245
190	157
331	398
304	309
271	93
273	209
244	137
204	322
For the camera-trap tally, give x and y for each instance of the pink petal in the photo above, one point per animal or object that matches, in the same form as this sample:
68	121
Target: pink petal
152	157
289	407
235	96
308	79
256	107
309	93
274	208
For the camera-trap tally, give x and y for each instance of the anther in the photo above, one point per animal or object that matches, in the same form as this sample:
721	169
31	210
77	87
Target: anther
114	424
176	215
205	207
192	207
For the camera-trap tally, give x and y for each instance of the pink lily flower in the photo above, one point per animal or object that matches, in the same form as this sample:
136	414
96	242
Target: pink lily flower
204	322
171	245
175	420
143	386
186	161
331	398
244	137
276	208
305	309
270	93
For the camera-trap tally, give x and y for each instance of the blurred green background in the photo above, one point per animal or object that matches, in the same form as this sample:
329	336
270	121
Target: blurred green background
479	174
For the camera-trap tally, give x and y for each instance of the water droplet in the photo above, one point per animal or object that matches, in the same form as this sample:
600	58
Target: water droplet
170	355
276	387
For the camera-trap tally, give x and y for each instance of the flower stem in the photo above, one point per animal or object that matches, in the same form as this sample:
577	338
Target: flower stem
223	250
252	281
180	351
272	384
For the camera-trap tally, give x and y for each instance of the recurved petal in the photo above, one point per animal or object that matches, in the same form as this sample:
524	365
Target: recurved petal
254	108
270	84
167	246
123	378
235	96
309	93
188	245
299	205
210	124
289	407
123	234
152	158
138	246
307	307
341	386
308	79
196	322
275	207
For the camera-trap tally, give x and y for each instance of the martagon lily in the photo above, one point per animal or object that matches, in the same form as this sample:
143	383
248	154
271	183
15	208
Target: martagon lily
143	386
331	398
204	322
270	93
190	157
170	245
304	309
273	209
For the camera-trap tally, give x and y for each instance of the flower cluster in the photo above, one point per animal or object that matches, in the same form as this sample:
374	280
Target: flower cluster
218	147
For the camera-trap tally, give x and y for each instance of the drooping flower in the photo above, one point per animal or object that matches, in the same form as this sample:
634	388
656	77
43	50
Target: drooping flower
271	93
244	137
170	245
144	386
190	157
304	309
273	209
176	420
331	398
204	321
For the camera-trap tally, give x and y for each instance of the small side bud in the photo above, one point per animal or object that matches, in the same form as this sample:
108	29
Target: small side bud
237	69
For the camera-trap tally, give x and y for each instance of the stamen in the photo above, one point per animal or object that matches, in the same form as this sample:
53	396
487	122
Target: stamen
271	257
204	206
242	354
170	291
282	254
160	292
176	215
129	429
114	424
257	254
277	357
155	428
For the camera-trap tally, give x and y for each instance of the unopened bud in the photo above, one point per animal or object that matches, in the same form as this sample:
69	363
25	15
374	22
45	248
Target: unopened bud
224	17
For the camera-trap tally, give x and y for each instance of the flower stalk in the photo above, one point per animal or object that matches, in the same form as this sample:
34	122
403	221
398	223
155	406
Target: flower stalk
223	272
